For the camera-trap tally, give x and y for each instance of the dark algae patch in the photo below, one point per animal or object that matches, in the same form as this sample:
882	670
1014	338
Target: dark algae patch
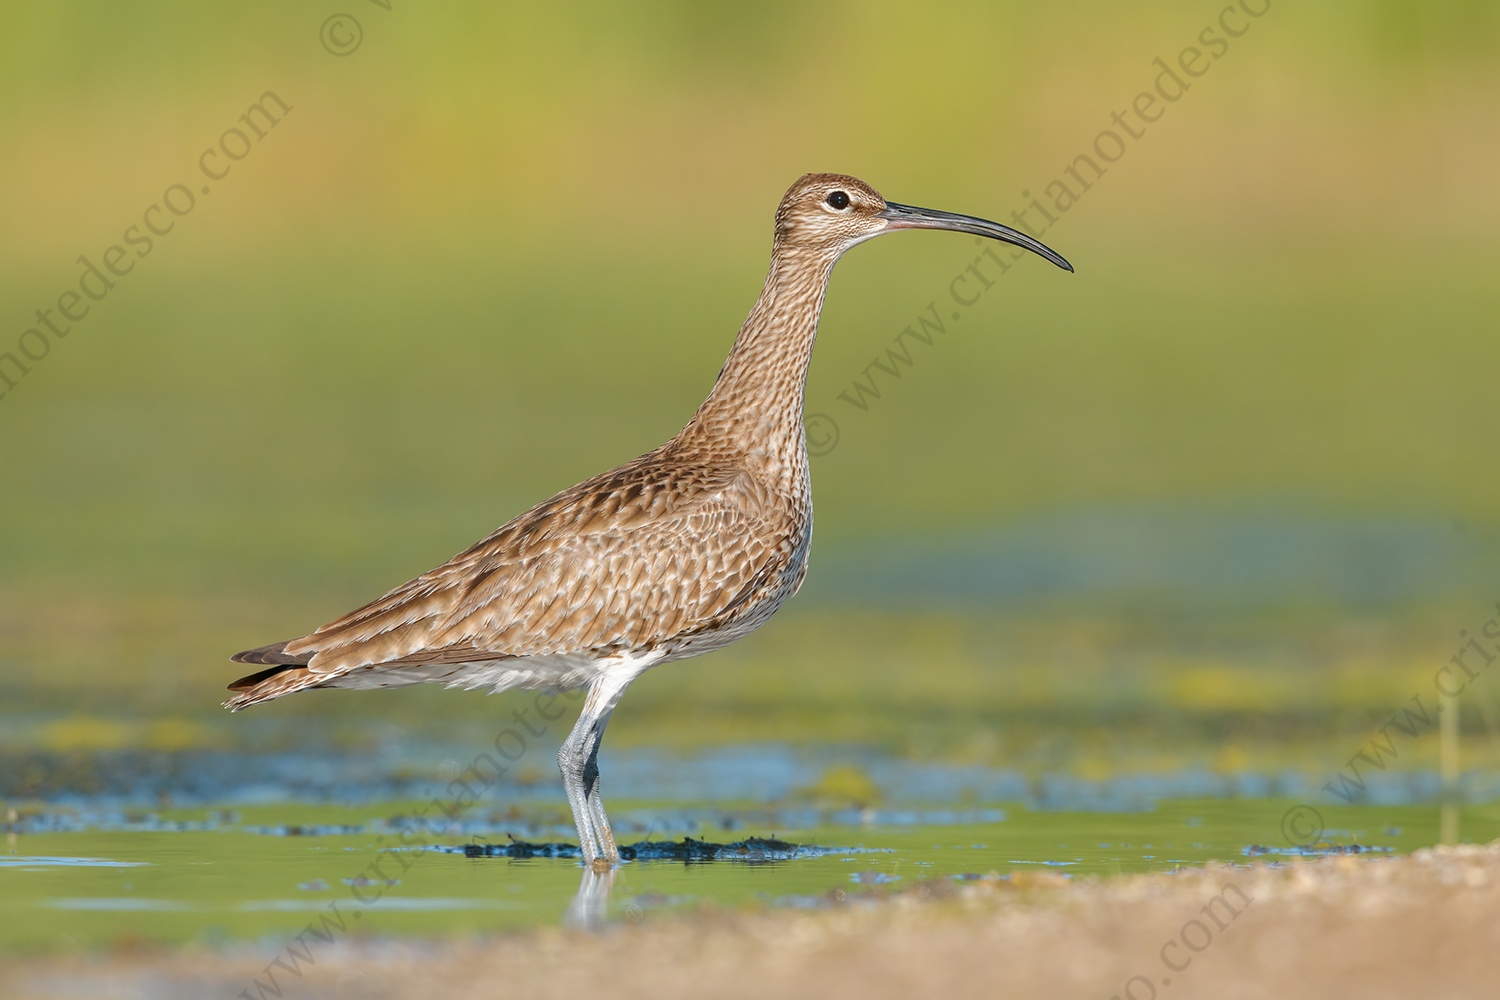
751	849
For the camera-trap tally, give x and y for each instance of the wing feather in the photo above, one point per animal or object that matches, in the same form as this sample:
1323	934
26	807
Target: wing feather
631	559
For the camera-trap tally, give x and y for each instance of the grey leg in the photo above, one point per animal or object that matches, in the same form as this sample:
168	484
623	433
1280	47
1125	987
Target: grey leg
572	759
594	800
579	761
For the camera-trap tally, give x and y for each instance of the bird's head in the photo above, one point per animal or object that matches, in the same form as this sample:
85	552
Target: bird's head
829	213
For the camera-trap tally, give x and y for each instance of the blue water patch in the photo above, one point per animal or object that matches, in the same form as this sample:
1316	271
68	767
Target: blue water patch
307	829
750	773
1319	850
12	861
873	878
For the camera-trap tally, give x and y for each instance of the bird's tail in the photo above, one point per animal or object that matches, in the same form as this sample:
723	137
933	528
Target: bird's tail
286	673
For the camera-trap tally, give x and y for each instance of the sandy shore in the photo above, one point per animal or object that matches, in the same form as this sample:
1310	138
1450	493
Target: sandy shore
1423	926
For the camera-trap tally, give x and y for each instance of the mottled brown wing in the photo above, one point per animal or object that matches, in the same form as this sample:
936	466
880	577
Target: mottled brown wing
625	561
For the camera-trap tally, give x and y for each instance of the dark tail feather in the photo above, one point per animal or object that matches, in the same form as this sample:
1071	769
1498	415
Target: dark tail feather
274	654
271	683
286	673
248	682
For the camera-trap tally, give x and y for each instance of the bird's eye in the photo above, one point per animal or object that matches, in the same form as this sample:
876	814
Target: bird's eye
838	200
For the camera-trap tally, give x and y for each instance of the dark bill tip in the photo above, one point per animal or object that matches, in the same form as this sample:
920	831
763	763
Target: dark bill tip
912	217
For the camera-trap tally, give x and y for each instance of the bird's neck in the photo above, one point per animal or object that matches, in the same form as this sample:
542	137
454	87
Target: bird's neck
755	408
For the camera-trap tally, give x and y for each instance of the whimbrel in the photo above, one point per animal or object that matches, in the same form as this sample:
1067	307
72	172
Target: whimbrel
679	552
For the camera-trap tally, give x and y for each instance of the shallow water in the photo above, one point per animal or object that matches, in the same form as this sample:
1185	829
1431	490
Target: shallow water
71	878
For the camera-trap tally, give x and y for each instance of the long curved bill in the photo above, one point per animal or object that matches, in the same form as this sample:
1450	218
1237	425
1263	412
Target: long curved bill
912	217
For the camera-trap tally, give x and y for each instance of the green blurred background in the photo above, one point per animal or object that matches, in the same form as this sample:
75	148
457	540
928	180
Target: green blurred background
1244	458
